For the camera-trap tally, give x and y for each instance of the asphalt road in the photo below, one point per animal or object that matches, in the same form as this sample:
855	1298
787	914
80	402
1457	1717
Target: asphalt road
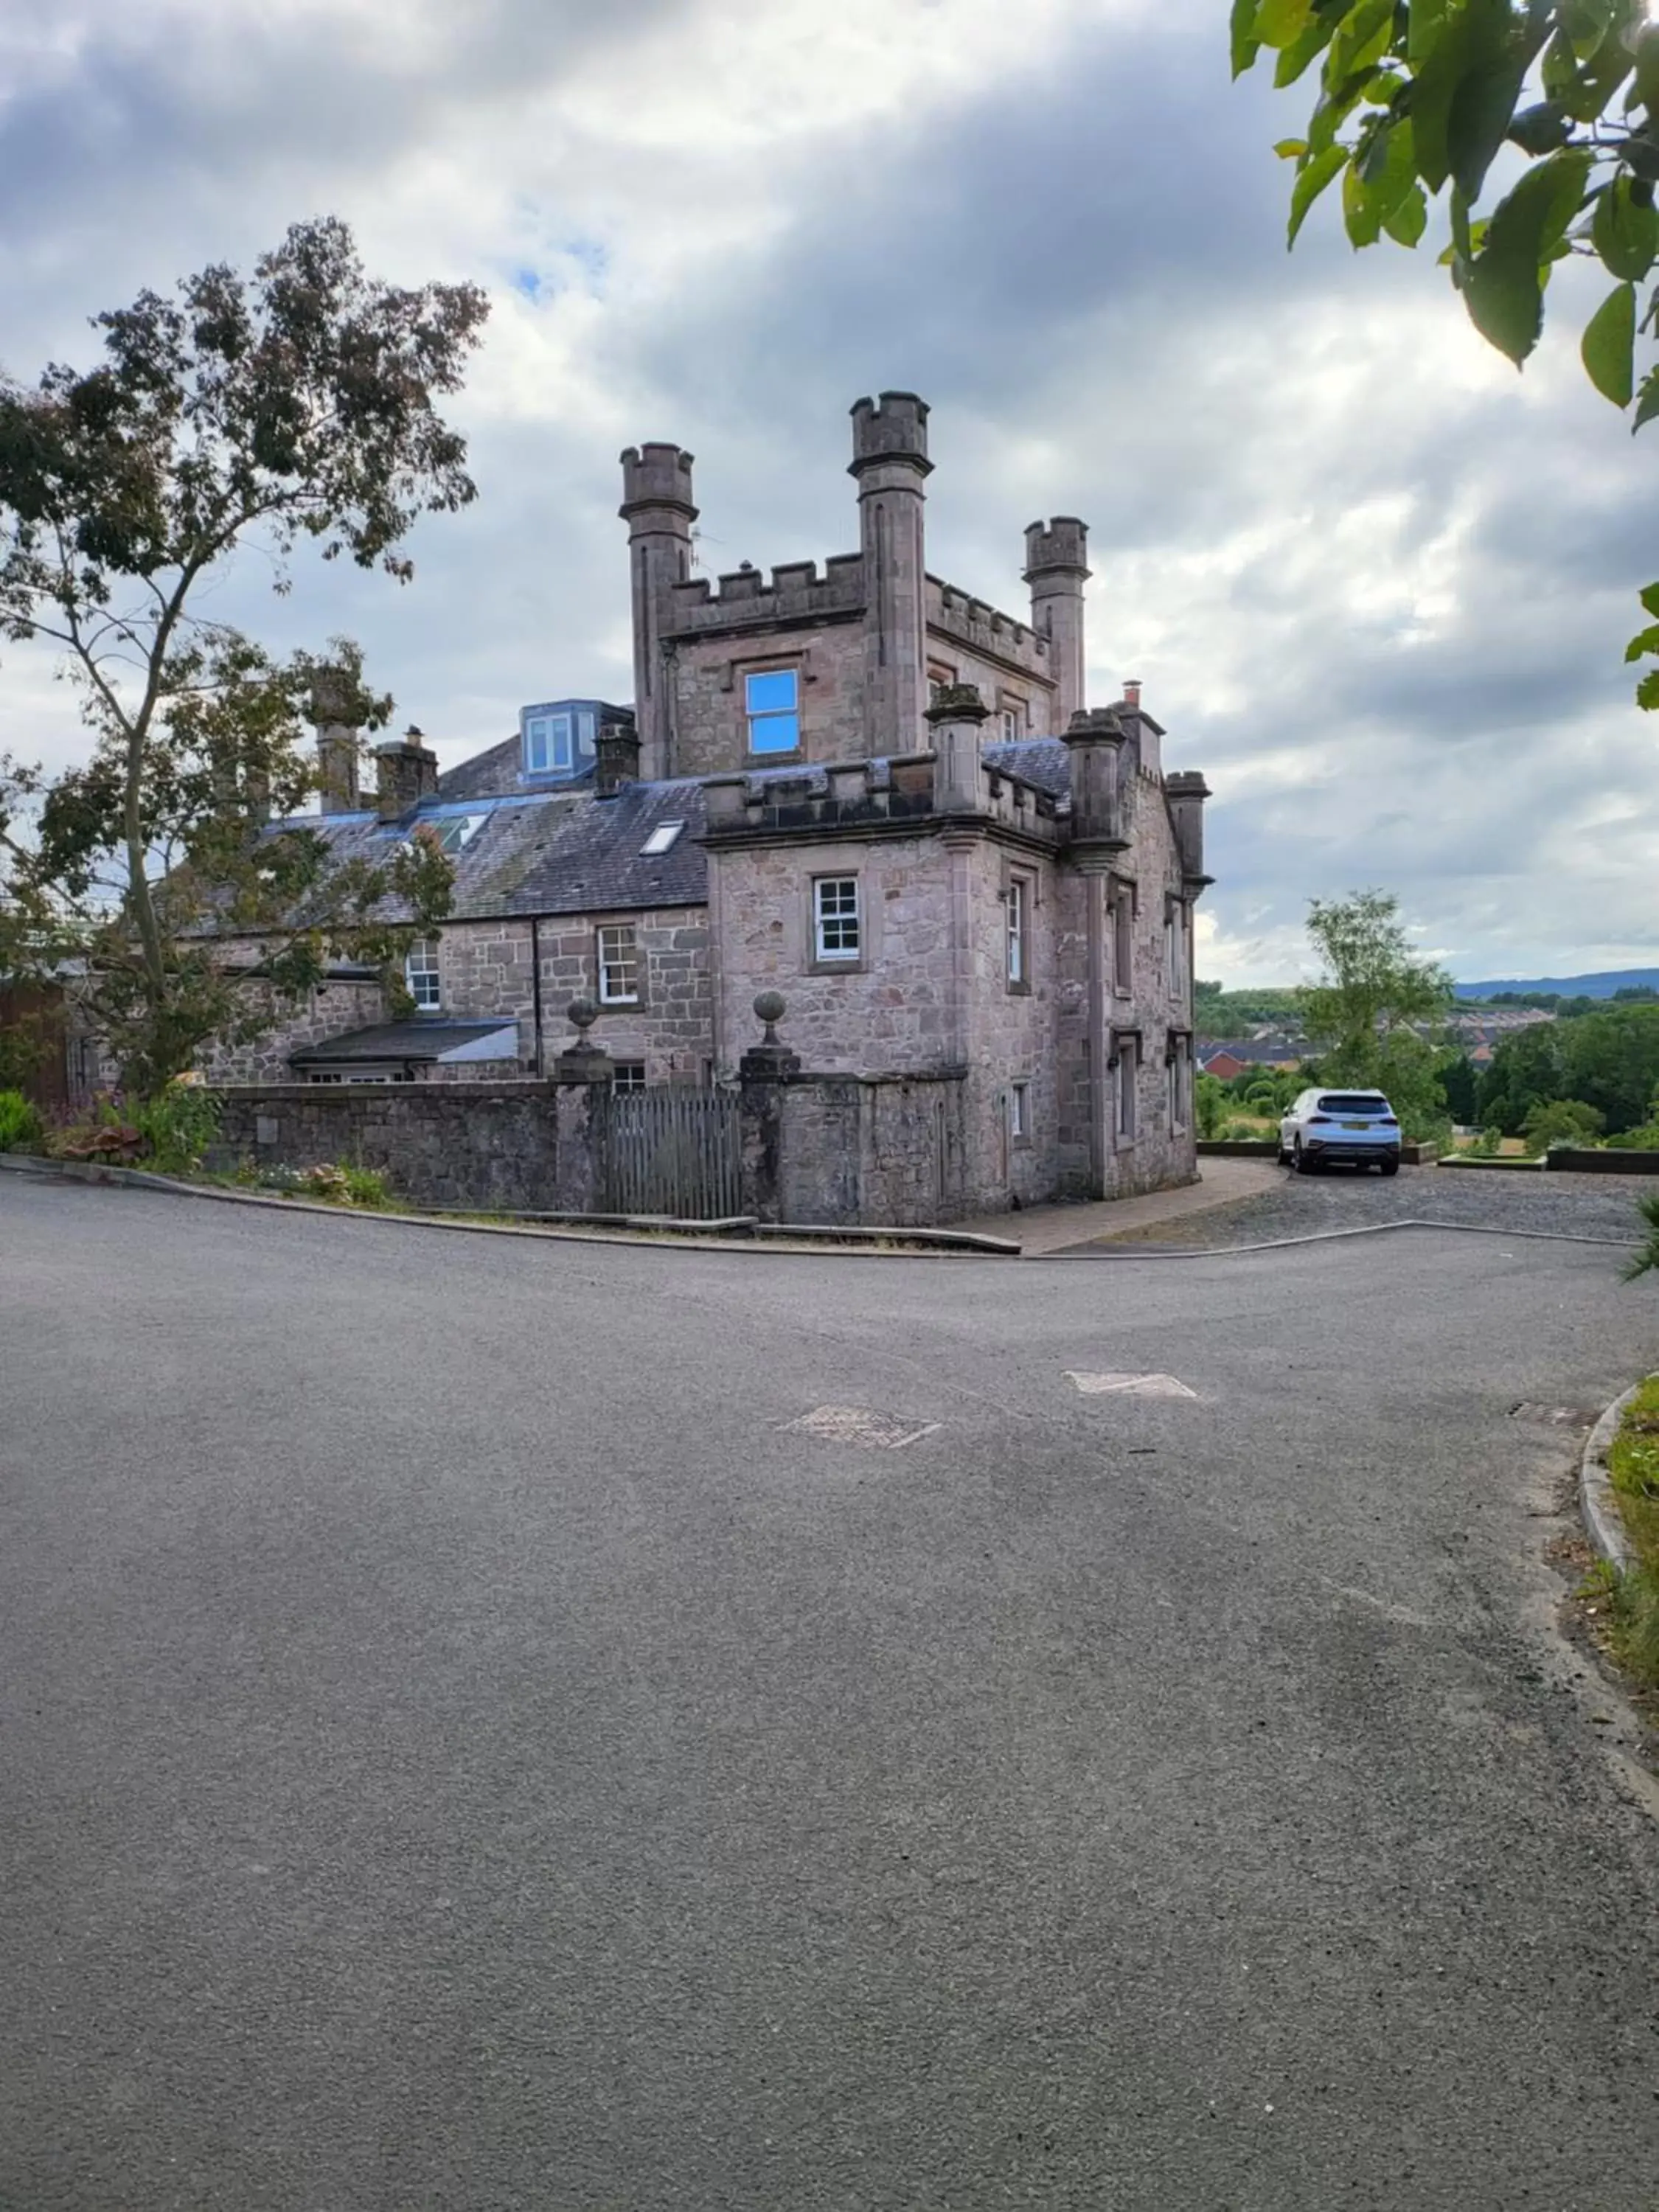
461	1748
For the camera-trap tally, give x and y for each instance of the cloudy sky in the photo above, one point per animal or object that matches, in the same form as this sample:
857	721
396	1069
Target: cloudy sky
1376	585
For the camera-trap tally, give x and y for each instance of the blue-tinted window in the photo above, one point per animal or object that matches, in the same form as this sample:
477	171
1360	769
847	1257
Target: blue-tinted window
548	744
771	701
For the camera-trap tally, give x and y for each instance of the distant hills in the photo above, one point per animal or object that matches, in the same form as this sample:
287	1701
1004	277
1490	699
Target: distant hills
1570	987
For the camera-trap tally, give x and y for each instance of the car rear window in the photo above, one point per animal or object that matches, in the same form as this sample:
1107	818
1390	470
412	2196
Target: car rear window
1343	1101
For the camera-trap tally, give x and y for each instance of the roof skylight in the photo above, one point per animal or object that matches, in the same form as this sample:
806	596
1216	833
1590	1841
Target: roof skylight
660	839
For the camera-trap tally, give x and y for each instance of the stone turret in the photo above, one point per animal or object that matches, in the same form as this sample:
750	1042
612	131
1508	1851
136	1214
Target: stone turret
1186	793
659	511
1056	568
1094	741
956	720
889	460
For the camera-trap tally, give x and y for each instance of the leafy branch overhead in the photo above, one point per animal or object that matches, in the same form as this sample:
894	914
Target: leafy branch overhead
1419	97
299	404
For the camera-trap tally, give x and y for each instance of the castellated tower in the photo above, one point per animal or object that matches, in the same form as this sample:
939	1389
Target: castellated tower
1056	568
658	510
889	460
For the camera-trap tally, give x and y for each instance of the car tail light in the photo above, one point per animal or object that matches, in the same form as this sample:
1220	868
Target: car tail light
1319	1120
1388	1120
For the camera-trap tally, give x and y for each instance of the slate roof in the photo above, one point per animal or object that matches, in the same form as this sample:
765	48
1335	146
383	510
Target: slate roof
497	772
422	1038
557	852
1041	760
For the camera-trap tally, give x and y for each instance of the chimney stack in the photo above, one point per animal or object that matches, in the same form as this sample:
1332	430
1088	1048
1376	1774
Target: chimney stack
406	772
616	758
1132	692
337	742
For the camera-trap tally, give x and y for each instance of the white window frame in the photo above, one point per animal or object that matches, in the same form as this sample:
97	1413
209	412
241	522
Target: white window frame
423	976
756	720
552	726
1123	909
1180	1084
1019	1113
1017	935
832	921
1126	1103
618	960
630	1075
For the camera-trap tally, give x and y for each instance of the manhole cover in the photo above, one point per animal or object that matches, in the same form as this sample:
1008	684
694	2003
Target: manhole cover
1130	1386
864	1426
1553	1416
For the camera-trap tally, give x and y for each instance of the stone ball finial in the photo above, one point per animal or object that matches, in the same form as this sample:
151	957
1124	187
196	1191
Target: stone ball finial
582	1013
769	1009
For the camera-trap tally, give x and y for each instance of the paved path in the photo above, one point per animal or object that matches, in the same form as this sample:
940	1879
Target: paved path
465	1745
1040	1229
1287	1205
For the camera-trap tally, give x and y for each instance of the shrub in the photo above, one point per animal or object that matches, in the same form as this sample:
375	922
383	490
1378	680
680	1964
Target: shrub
1487	1145
21	1129
177	1126
329	1183
1563	1121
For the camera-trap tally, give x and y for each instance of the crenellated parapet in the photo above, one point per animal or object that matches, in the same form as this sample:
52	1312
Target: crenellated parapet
867	797
656	475
746	599
986	630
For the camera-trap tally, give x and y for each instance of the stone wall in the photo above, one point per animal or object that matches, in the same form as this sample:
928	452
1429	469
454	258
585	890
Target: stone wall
485	972
479	1145
710	728
883	1153
329	1011
890	1013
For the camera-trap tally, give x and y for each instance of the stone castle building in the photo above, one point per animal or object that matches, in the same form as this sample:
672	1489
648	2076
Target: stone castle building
859	787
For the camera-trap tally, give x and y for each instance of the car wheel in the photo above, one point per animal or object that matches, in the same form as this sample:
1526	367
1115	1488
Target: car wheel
1299	1160
1390	1167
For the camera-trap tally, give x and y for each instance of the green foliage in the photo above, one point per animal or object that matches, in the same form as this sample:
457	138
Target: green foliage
300	404
21	1129
1562	1121
1210	1102
1415	99
1488	1144
1370	1010
1219	1013
1631	1598
1606	1058
177	1126
1646	1260
332	1183
1457	1078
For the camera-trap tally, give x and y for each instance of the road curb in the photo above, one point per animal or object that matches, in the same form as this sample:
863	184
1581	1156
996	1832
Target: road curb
1109	1251
1596	1490
658	1235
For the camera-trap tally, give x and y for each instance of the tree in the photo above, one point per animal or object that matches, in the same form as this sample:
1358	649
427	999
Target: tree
1610	1060
1456	1076
1376	1011
1525	1072
1562	1121
1417	97
299	404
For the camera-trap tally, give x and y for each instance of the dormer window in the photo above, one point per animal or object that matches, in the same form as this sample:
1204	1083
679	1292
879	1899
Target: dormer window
558	737
550	744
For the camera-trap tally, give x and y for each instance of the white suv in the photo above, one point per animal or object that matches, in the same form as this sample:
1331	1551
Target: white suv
1360	1126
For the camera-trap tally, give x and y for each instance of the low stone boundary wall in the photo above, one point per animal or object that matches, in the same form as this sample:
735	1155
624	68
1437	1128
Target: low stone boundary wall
1238	1148
479	1145
1568	1160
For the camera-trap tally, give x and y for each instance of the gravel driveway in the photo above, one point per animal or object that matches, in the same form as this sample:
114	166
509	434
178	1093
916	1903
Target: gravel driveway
1599	1206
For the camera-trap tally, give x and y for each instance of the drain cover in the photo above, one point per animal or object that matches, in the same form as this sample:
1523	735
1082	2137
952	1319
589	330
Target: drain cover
862	1426
1553	1416
1130	1386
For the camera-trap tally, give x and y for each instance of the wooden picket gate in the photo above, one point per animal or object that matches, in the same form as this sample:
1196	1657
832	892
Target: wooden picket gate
672	1152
